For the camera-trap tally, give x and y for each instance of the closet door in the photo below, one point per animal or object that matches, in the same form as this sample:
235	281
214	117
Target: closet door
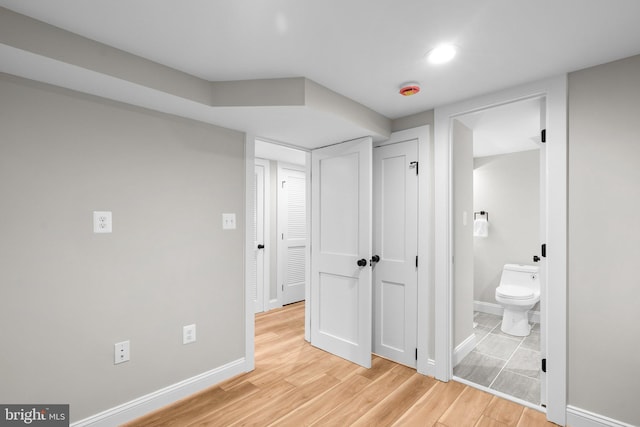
341	234
292	232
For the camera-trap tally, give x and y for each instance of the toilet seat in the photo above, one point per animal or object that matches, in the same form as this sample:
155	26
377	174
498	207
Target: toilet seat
514	292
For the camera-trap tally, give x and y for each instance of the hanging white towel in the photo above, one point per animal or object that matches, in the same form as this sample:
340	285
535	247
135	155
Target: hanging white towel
480	227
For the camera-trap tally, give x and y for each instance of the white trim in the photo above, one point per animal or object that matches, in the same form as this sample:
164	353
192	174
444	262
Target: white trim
500	394
307	286
143	405
497	309
249	308
577	417
555	91
464	348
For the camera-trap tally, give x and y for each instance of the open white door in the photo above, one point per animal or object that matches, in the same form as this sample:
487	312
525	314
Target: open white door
258	255
341	236
396	245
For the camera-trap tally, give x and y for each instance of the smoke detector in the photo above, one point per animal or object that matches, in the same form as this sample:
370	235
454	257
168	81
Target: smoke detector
409	88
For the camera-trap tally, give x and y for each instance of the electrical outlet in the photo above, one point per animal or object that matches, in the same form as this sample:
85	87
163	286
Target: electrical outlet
228	221
188	334
121	352
102	222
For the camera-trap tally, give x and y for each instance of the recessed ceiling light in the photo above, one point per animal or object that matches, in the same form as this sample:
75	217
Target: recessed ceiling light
441	54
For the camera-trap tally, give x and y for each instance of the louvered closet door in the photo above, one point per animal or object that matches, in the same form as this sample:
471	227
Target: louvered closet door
293	232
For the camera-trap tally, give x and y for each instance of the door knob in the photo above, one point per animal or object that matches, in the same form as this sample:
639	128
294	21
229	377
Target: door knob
536	258
362	262
261	246
374	259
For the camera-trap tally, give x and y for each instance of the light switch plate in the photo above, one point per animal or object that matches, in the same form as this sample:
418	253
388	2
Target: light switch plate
228	221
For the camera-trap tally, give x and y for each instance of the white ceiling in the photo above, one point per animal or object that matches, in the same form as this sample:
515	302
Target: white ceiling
362	49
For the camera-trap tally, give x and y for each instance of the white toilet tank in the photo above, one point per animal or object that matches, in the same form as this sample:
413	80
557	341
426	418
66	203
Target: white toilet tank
521	275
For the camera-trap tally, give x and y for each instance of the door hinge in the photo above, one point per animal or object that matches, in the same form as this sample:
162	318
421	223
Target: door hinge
543	250
543	135
544	365
416	354
414	165
283	182
283	287
416	261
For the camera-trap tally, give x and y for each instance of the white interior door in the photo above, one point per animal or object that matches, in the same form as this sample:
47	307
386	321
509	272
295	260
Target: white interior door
292	232
395	241
258	281
341	234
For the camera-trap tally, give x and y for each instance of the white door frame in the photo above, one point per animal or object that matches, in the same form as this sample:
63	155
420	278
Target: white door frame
555	91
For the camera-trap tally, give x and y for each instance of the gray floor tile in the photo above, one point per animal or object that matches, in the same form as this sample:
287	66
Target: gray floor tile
485	319
481	331
497	346
535	327
478	368
518	386
525	362
532	341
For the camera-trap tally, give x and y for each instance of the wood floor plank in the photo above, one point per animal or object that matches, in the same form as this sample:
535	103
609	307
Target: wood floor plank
532	418
348	411
504	411
396	403
489	422
179	413
229	414
467	409
309	413
430	407
295	384
286	402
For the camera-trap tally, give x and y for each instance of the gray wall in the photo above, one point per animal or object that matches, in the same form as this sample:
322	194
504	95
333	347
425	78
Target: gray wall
508	187
604	239
67	295
462	152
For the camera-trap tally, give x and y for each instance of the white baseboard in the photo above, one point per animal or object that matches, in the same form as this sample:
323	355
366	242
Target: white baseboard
577	417
493	308
156	400
464	348
273	304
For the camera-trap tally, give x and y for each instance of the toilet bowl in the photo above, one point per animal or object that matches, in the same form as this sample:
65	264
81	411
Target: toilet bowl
518	292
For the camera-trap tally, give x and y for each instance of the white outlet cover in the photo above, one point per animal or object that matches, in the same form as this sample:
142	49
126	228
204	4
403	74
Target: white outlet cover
121	352
228	221
102	222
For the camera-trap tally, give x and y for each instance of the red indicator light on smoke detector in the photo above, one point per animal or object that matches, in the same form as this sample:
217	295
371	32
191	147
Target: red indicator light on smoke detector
409	89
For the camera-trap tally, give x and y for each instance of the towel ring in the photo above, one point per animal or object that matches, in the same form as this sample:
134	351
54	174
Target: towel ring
481	213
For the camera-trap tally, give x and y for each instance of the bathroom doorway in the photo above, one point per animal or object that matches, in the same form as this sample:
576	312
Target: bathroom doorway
498	218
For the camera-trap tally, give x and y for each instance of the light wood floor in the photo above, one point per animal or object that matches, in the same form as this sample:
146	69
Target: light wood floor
295	384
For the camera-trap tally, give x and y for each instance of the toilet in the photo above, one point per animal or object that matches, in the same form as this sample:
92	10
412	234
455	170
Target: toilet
518	292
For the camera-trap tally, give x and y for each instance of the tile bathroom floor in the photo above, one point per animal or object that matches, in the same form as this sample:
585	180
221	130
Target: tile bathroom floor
503	362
